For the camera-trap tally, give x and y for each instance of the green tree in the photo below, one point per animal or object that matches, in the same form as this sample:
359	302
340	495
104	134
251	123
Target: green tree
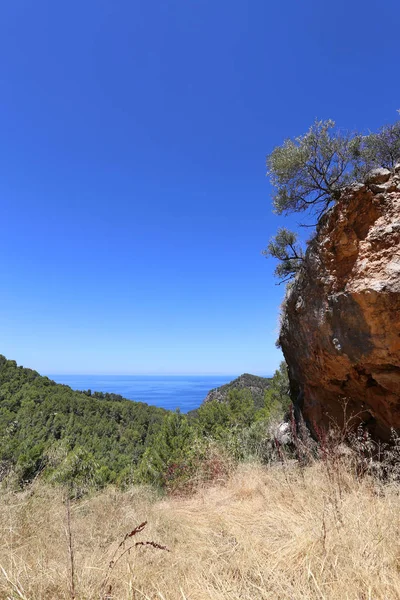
216	418
309	171
285	247
241	407
213	418
76	471
380	149
174	445
277	398
37	415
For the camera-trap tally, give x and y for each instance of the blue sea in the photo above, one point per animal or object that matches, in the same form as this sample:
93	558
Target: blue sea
185	392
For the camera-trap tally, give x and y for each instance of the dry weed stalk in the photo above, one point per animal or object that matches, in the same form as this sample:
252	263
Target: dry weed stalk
106	587
70	548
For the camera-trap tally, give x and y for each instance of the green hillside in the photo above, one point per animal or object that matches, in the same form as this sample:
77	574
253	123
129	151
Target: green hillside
40	420
255	384
87	440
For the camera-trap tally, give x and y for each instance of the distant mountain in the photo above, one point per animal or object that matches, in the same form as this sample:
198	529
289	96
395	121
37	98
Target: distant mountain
257	386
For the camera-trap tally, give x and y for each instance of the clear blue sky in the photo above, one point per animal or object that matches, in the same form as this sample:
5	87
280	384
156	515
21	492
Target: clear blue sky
134	202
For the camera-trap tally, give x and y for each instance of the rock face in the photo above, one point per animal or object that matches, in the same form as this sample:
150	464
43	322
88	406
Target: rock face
340	331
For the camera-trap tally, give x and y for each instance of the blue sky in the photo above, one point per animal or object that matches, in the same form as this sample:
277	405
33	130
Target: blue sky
133	192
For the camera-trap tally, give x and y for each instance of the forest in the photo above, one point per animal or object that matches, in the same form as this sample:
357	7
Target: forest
88	440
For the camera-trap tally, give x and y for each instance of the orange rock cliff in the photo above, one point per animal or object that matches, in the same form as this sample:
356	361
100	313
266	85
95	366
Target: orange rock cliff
340	330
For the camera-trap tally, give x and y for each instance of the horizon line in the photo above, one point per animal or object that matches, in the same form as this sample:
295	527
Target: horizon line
153	374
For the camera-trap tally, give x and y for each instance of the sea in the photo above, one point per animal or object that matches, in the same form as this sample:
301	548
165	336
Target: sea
185	392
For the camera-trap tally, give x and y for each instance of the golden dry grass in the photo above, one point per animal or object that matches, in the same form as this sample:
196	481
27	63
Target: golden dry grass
268	533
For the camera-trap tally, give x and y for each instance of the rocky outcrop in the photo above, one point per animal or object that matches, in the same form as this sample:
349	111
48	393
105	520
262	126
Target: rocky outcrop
340	330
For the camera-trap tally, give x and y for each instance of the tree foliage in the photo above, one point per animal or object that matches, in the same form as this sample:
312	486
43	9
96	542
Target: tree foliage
83	440
36	415
309	173
238	409
310	170
285	247
173	446
237	424
380	149
277	397
255	383
77	471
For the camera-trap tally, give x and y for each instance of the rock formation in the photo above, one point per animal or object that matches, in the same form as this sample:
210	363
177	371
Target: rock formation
340	331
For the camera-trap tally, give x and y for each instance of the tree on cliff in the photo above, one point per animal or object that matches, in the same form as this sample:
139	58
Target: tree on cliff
287	250
310	172
381	149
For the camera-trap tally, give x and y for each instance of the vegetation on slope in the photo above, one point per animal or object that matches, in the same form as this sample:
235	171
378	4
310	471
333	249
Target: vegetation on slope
238	427
42	422
83	440
257	386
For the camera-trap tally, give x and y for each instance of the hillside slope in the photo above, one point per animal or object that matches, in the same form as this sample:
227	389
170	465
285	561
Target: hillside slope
38	416
256	385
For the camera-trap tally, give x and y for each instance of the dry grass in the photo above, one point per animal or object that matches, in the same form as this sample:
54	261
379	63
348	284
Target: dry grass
268	533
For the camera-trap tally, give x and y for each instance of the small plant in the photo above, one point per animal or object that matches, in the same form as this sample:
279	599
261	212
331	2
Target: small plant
178	478
370	457
70	548
120	552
